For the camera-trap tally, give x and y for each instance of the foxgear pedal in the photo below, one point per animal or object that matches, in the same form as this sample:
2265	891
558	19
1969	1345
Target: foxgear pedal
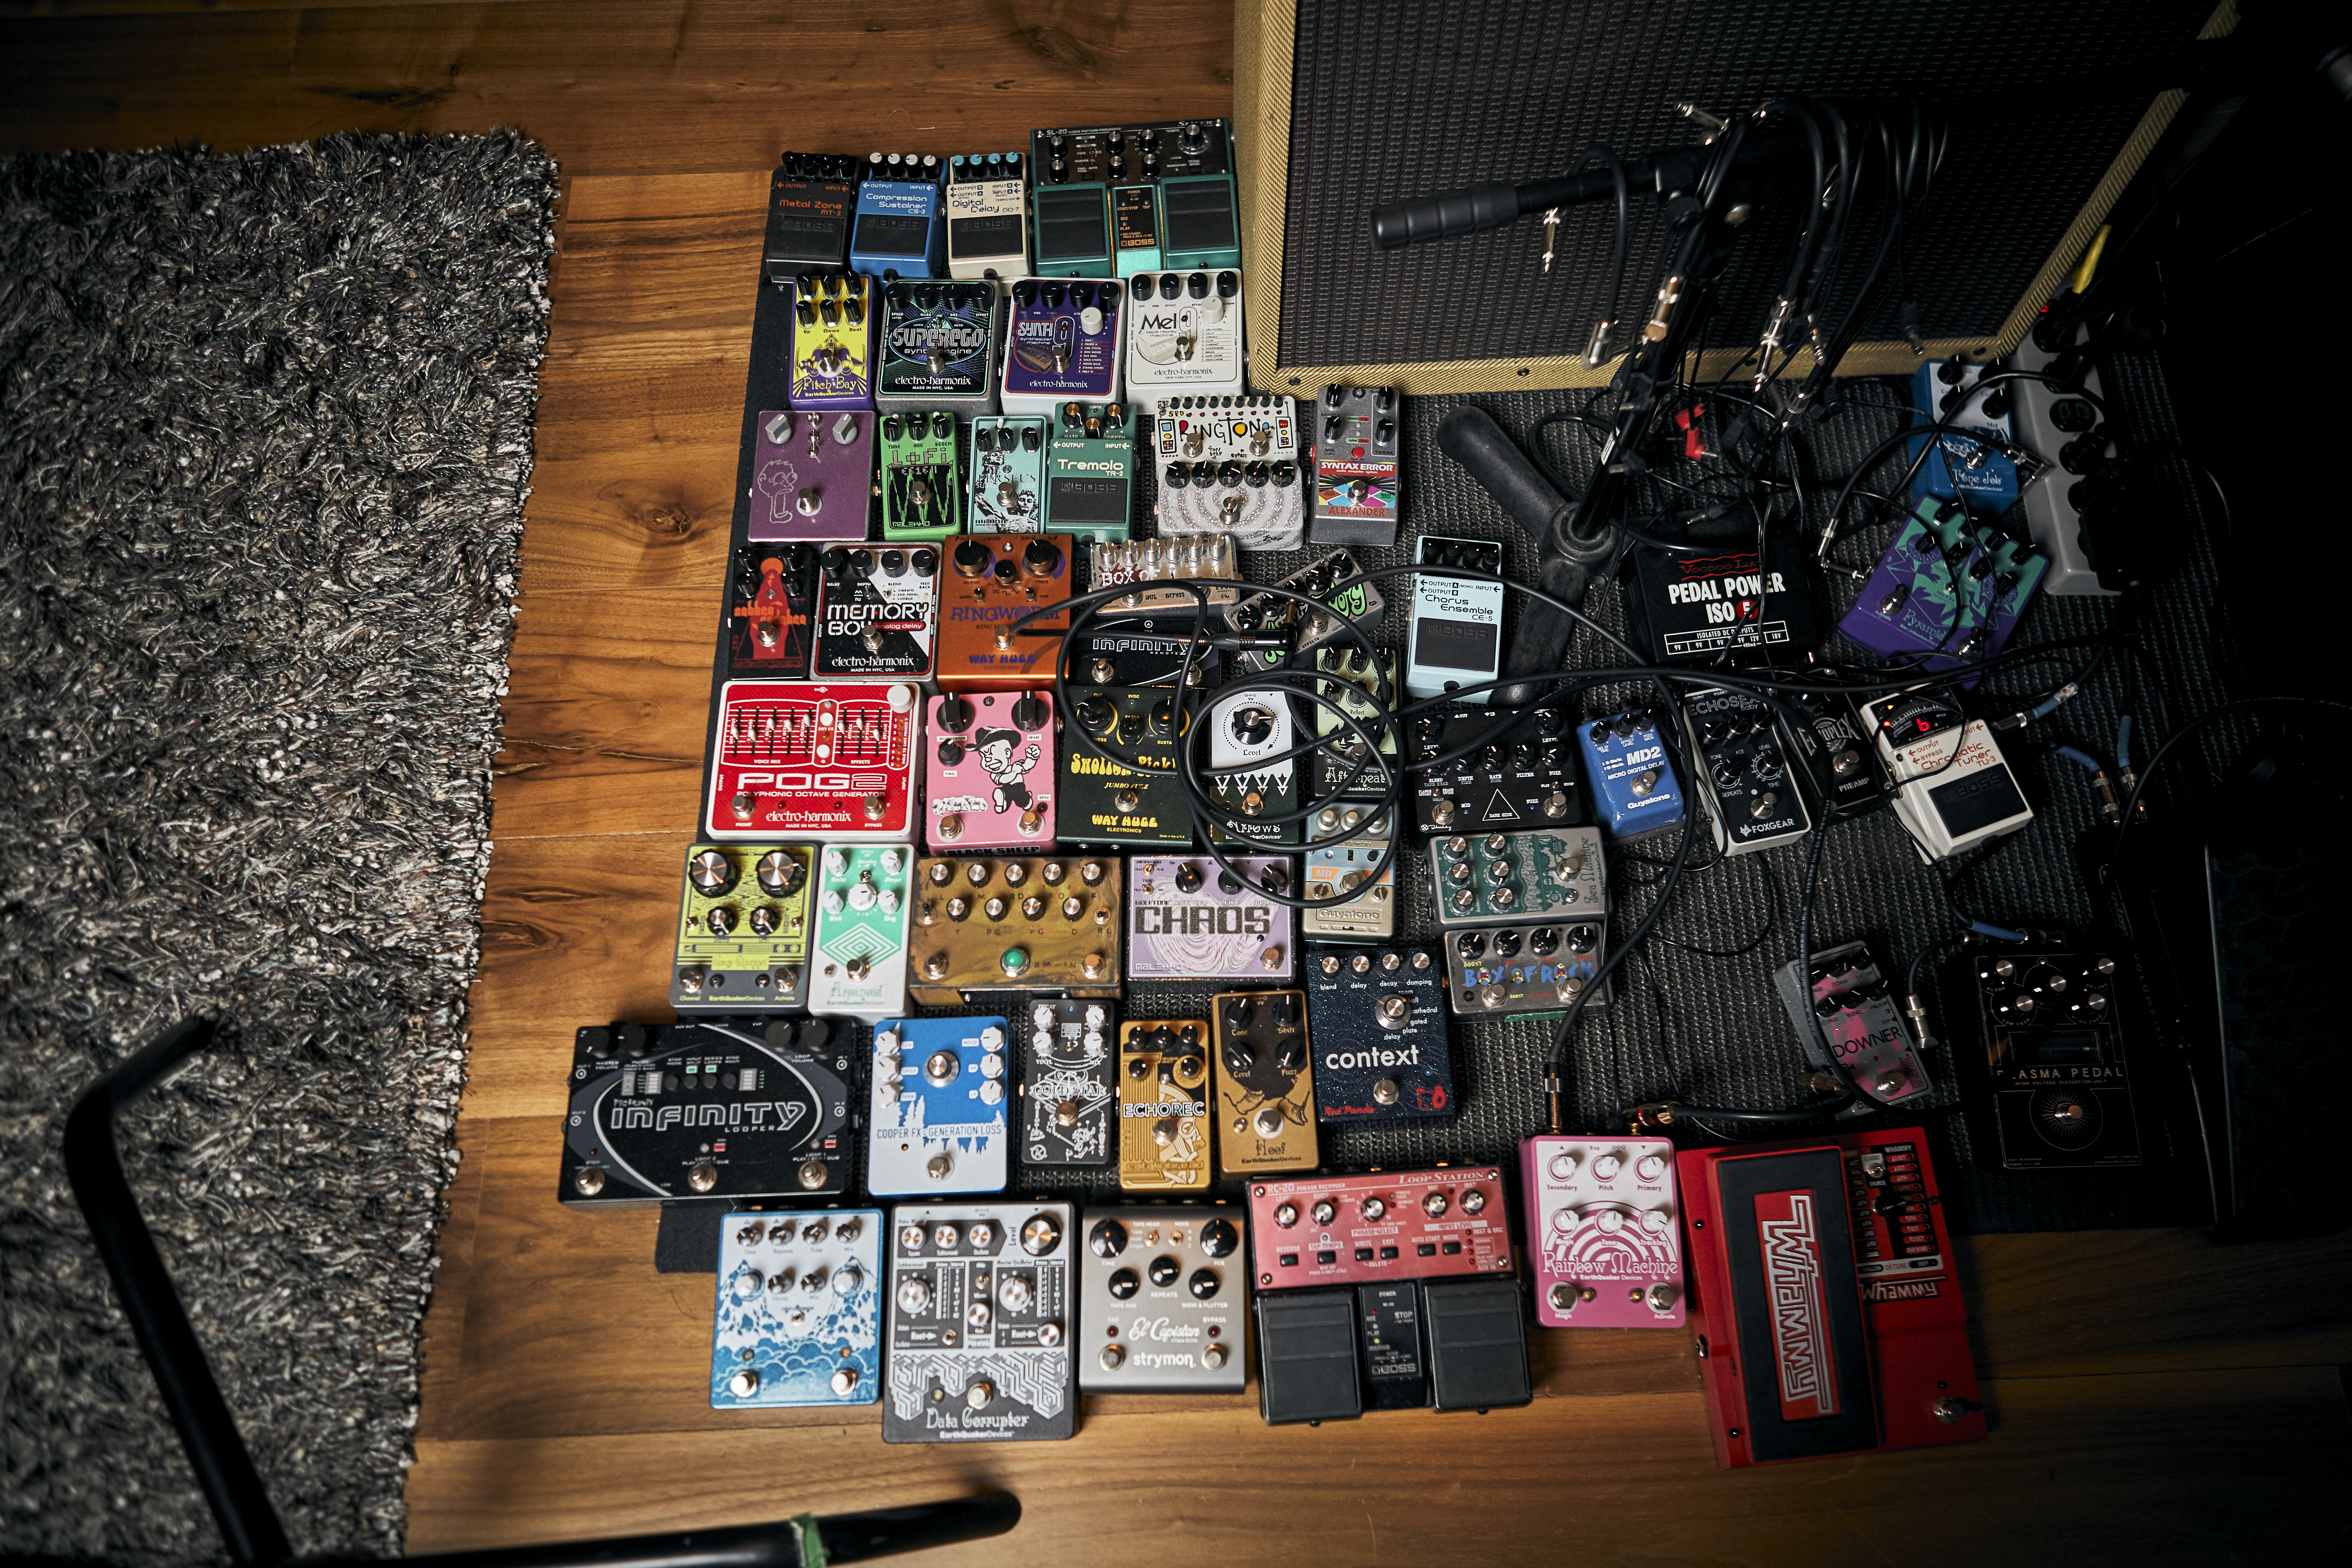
1735	752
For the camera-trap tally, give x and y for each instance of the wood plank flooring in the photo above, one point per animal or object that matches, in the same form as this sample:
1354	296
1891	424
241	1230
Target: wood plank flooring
2153	1396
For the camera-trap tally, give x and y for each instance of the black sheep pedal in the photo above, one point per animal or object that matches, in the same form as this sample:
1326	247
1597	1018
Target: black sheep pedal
2049	1087
1069	1099
1090	472
1306	628
984	926
1008	474
1265	1084
878	611
1134	799
988	215
743	930
1477	1345
981	1316
1844	1018
938	347
1357	475
988	774
1161	1300
921	478
1307	1357
810	199
1737	754
1349	860
1835	761
1229	465
1493	972
1508	771
771	611
1190	919
1163	1105
1249	732
1382	1053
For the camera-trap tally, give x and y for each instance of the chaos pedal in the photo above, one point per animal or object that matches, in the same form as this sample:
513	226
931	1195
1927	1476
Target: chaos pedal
800	1309
901	225
858	966
1834	761
1358	870
1228	465
1132	800
1481	771
878	613
989	778
923	477
1948	592
980	1323
706	1109
1634	791
1184	338
1735	752
1162	1301
1090	472
772	612
1953	789
1068	1096
1190	919
2049	1085
1382	1052
743	930
1844	1018
1357	483
813	475
1484	878
1151	568
986	926
1264	1083
811	198
801	760
1689	607
1163	1105
1064	344
1307	1357
1496	970
1604	1238
1363	688
1008	474
991	583
1384	1224
988	214
1455	638
939	1117
832	343
1252	780
938	347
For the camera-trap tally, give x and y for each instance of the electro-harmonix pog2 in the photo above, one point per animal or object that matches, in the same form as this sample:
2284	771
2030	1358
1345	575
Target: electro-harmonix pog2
813	475
801	760
981	1319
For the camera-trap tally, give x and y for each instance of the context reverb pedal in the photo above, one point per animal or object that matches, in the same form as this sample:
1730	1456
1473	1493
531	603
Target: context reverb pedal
1250	730
742	929
878	609
1046	924
1230	465
1163	1105
1162	1301
1634	791
1953	788
1383	1054
981	1315
1008	474
1604	1238
1069	1101
942	1087
921	478
989	779
1190	919
1834	761
1264	1083
1064	343
1357	869
2051	1088
1492	972
801	760
813	475
1948	592
992	581
1484	878
1508	771
1735	752
706	1109
901	228
1455	638
832	341
857	967
1843	1017
1384	1224
1090	472
988	215
938	347
1358	467
811	197
1184	337
1136	802
771	611
1821	1284
800	1309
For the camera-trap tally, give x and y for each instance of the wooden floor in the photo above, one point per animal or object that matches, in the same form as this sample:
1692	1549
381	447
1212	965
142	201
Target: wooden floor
2152	1397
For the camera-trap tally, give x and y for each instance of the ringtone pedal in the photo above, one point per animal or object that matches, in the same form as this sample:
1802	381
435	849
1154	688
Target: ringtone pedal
923	477
1162	1295
1482	878
800	1310
1634	791
772	612
1138	802
1190	919
938	347
1735	752
1604	1235
980	1323
1090	472
1228	465
1455	638
988	215
1264	1083
858	967
800	760
1494	971
989	774
742	929
1361	866
813	475
1509	771
938	1116
878	613
1163	1105
1008	474
901	229
1844	1018
1067	1095
1384	1224
1184	338
1356	472
832	342
989	926
1064	344
1382	1053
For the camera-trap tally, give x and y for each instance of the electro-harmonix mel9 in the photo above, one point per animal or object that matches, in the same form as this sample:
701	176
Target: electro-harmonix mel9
1184	337
813	475
984	926
980	1318
795	760
742	929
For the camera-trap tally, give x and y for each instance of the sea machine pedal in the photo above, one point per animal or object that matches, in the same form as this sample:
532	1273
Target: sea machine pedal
800	1309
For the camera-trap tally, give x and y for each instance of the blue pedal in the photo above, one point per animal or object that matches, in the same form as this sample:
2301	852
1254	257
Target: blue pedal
800	1310
939	1114
1634	793
901	226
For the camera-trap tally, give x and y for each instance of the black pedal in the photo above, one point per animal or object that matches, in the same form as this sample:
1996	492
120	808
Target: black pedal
1138	804
1383	1051
1389	1332
1305	628
1844	1017
811	198
1836	763
2049	1085
1515	771
877	612
1689	608
1477	1345
1307	1357
1253	730
1365	690
1149	652
1743	770
1069	1100
771	611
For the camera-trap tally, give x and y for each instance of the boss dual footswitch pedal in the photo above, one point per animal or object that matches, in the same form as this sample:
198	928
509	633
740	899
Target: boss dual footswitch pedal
1483	771
811	475
1162	1301
1190	919
938	347
858	964
921	479
1135	198
2050	1082
1953	789
1063	344
1634	791
1132	799
1382	1055
811	197
1046	924
799	760
942	1098
1070	1097
988	773
1229	465
800	1309
1603	1234
1163	1105
1735	752
1845	1020
995	582
877	612
901	228
1358	479
743	930
988	214
1008	474
832	342
980	1321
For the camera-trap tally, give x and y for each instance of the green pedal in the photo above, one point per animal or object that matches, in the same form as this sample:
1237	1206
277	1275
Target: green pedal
743	930
1479	878
923	477
864	895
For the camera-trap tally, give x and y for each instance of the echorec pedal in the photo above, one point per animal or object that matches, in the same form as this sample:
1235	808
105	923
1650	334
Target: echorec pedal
1387	1224
1834	761
1455	638
858	967
938	347
810	199
980	1323
1508	771
706	1109
1604	1238
1064	344
1251	731
813	475
878	611
921	478
901	231
1735	752
992	581
987	926
988	215
1844	1018
1090	472
2051	1090
1264	1083
1494	971
1339	867
1184	337
1357	454
772	612
1190	919
1953	788
743	930
1068	1096
1382	1055
1163	1105
1162	1295
942	1090
1229	465
1136	802
797	760
988	773
1482	878
800	1309
1008	474
832	341
1634	791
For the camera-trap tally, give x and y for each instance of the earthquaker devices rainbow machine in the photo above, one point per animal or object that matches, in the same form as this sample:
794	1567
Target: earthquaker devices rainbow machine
1603	1236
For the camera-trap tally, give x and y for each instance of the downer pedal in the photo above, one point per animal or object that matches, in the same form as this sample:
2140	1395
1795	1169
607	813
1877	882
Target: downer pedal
1845	1020
1382	1055
800	1309
1190	919
876	613
801	760
813	477
988	215
1251	727
832	342
1090	473
1064	344
742	929
1735	752
1229	465
1953	789
1496	970
1455	638
705	1109
1356	472
1604	1238
988	777
1138	802
980	1323
772	612
1947	593
1485	877
988	926
1361	866
1386	1225
992	581
859	964
1184	336
1834	761
1161	1300
1634	791
900	231
923	477
1067	1097
2050	1089
939	1117
1828	1313
1264	1083
938	348
1508	771
811	197
1163	1105
1008	474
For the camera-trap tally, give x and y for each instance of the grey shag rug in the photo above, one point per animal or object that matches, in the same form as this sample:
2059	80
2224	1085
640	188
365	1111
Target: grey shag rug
265	439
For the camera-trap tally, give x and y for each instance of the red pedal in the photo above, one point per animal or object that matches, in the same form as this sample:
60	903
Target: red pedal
801	760
1386	1225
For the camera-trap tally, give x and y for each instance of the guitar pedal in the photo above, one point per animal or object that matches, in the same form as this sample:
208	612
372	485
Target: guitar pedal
1162	1295
992	581
1163	1105
938	348
1067	1095
1008	474
1064	344
857	966
1184	338
1228	465
1200	224
1264	1083
811	197
988	215
1146	652
1381	1225
1365	690
983	927
1208	560
1071	202
1834	760
1493	972
2049	1085
1947	593
901	228
1167	188
1735	752
878	609
988	773
1634	791
1383	1056
923	477
1338	866
742	929
1358	479
812	476
1950	803
772	612
1190	919
980	1323
800	1309
1250	730
1604	1236
1456	634
1484	878
1136	802
942	1088
1844	1018
797	760
832	342
1090	473
1508	771
1357	604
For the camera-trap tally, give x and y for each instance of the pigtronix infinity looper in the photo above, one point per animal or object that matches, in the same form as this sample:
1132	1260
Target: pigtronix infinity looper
938	347
743	930
1604	1238
1163	1299
832	342
940	1107
1381	1051
1184	336
1064	344
800	1309
813	475
901	229
980	1318
796	760
989	777
810	199
1357	466
1230	465
988	215
1456	635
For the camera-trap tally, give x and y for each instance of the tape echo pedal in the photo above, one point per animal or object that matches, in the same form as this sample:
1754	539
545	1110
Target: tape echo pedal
901	228
2051	1088
988	773
986	926
1251	731
799	759
1361	866
810	199
994	580
1184	337
1190	919
800	1310
1090	472
742	929
1163	1105
1008	474
1480	878
1604	1237
1950	803
1496	970
1455	638
1382	1053
1139	803
1835	760
1382	1225
1735	752
1068	1096
980	1323
921	480
1208	560
1264	1083
1634	791
832	341
1843	1018
1509	771
1228	465
1064	344
1357	473
988	214
858	967
942	1088
1162	1295
877	612
705	1109
811	475
772	612
938	347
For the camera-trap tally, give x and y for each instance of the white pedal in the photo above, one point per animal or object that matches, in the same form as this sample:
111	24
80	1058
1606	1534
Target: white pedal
857	962
1183	336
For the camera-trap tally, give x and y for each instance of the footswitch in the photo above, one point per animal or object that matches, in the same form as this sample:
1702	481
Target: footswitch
796	760
858	964
2051	1088
921	478
1351	862
1229	465
987	926
1494	971
938	347
1634	791
878	613
1835	760
989	778
832	341
1307	1357
810	199
800	1309
1064	344
772	612
1953	789
1948	592
1386	1225
743	930
1008	474
1455	638
1073	224
980	1323
813	475
988	214
1133	799
1162	1302
1402	1344
1068	1098
1163	1105
1481	878
1357	474
991	583
1264	1083
1090	472
1251	732
1845	1019
1735	752
1190	919
1477	1345
1184	338
1507	771
1382	1055
941	1105
1604	1238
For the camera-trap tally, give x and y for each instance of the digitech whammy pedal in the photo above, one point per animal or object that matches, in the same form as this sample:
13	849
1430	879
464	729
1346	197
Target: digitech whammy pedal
1386	1225
1356	457
1455	638
1844	1018
876	608
1184	336
800	1309
813	475
988	215
1383	1054
980	1323
900	230
938	347
1482	878
921	477
1494	971
1264	1083
1513	771
1338	865
1634	791
1135	804
1735	752
1953	788
1250	728
1190	919
810	199
2052	1088
939	1117
1947	593
799	759
742	929
1163	1105
857	964
988	772
1603	1236
992	581
1064	344
1229	465
1067	1096
1833	761
705	1109
1090	472
771	611
1161	1300
1008	474
987	926
832	342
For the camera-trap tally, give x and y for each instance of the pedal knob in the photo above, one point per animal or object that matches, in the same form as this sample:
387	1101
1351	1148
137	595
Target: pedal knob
1220	1239
954	715
1373	1207
1108	1239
